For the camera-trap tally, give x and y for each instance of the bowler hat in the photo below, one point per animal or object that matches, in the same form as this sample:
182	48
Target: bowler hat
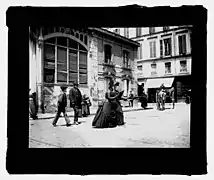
63	88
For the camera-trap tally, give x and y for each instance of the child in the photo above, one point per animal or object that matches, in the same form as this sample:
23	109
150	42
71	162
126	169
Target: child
62	103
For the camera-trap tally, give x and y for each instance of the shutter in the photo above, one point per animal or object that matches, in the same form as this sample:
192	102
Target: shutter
184	43
141	56
161	48
150	45
154	49
170	46
180	44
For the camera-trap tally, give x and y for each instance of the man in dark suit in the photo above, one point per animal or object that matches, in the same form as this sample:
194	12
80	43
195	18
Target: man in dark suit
173	97
75	97
62	103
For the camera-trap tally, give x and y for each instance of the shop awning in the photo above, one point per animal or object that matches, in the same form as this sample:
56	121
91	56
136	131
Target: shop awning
156	83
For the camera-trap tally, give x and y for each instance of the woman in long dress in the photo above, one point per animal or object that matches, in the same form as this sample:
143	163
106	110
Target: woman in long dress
118	107
110	113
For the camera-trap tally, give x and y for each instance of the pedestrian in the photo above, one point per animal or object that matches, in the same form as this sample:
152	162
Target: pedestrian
61	107
32	106
75	97
86	103
131	99
173	97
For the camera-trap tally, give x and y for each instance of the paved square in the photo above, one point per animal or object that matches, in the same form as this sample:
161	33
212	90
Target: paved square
143	128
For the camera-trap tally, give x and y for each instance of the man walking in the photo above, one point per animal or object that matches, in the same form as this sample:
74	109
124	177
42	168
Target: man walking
75	97
131	99
62	103
173	97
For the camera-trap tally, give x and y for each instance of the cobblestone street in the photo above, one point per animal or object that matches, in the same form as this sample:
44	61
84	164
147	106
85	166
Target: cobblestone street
143	128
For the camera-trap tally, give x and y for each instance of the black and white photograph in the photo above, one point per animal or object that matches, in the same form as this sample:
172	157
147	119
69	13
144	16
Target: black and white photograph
110	87
122	85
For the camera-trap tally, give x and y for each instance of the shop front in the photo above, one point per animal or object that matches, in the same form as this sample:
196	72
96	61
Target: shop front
152	85
182	86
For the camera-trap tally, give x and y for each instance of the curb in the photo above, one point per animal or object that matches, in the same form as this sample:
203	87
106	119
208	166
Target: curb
50	117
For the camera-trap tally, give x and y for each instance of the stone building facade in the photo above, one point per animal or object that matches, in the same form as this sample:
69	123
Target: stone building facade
91	56
164	56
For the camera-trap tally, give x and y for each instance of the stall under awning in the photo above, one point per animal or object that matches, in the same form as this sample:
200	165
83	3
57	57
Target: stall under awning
156	83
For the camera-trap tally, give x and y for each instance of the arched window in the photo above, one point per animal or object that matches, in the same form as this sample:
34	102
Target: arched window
65	61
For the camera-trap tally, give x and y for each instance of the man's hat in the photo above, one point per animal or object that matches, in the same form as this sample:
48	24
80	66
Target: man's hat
63	88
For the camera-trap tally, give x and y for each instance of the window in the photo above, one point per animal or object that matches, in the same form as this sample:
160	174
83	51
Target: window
125	58
107	54
165	28
168	68
152	45
126	32
153	67
49	63
167	46
65	61
183	66
151	30
140	69
138	32
182	44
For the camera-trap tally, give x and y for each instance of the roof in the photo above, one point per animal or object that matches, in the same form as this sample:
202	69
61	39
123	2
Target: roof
127	40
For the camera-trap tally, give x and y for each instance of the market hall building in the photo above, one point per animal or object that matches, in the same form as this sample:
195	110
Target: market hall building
90	56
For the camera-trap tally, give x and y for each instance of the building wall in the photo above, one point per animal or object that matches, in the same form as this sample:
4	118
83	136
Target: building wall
32	66
160	68
96	86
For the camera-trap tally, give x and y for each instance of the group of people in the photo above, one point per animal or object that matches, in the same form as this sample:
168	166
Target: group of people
78	102
109	114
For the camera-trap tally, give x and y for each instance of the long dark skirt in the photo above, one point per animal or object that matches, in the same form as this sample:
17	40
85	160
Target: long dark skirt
104	117
119	115
32	109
